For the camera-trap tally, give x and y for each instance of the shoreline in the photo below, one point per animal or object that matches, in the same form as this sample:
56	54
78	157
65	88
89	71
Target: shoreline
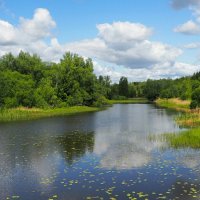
26	114
189	118
23	114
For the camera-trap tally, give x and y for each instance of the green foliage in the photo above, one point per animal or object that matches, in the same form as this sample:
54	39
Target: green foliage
132	90
152	90
166	88
195	98
16	89
100	102
123	87
25	80
194	104
45	94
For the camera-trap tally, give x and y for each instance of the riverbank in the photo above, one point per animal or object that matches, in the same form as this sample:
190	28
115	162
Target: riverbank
189	119
22	113
177	104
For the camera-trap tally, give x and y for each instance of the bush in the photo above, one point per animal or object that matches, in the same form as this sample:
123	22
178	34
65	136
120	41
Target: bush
195	99
10	102
101	101
194	104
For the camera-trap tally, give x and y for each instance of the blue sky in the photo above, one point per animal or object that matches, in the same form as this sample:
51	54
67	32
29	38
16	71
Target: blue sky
98	28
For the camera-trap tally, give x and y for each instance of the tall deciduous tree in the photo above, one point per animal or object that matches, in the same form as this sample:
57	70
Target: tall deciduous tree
123	86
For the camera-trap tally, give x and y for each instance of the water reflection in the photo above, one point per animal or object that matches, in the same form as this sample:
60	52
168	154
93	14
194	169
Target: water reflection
97	155
75	145
125	144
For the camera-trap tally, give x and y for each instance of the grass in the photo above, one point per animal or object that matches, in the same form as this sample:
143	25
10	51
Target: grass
185	139
177	104
22	113
127	101
188	118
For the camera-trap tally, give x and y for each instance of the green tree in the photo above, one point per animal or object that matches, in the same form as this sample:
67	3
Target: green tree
123	87
195	99
45	94
152	90
132	90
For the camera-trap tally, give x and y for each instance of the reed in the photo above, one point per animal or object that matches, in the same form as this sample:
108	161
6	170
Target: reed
174	103
185	139
22	113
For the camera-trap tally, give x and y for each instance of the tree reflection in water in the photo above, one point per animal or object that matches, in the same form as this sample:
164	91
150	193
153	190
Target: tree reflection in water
75	145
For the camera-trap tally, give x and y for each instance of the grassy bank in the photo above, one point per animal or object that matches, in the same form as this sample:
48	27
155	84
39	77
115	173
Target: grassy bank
127	101
188	118
22	113
174	103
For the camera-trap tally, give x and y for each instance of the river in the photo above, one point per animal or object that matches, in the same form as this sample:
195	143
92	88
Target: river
100	155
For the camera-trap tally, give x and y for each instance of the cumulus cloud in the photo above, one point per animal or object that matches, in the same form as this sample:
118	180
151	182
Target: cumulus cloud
28	30
126	44
38	27
122	35
188	28
178	69
28	35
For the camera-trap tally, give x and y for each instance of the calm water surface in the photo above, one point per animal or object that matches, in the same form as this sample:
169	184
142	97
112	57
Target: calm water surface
102	155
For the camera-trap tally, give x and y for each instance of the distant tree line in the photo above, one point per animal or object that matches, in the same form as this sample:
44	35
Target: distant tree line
26	80
185	88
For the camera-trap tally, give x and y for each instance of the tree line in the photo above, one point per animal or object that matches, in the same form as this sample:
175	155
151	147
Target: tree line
26	80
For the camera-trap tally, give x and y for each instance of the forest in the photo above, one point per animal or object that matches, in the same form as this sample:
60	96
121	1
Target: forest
26	80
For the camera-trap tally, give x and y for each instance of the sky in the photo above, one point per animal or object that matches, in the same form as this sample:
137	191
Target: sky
139	39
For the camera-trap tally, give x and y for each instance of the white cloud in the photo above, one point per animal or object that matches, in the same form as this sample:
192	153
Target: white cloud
29	34
166	70
38	27
194	45
126	44
28	30
122	35
188	28
7	33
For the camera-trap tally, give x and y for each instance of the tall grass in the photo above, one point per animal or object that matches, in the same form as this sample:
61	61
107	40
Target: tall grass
189	119
22	113
185	139
174	104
